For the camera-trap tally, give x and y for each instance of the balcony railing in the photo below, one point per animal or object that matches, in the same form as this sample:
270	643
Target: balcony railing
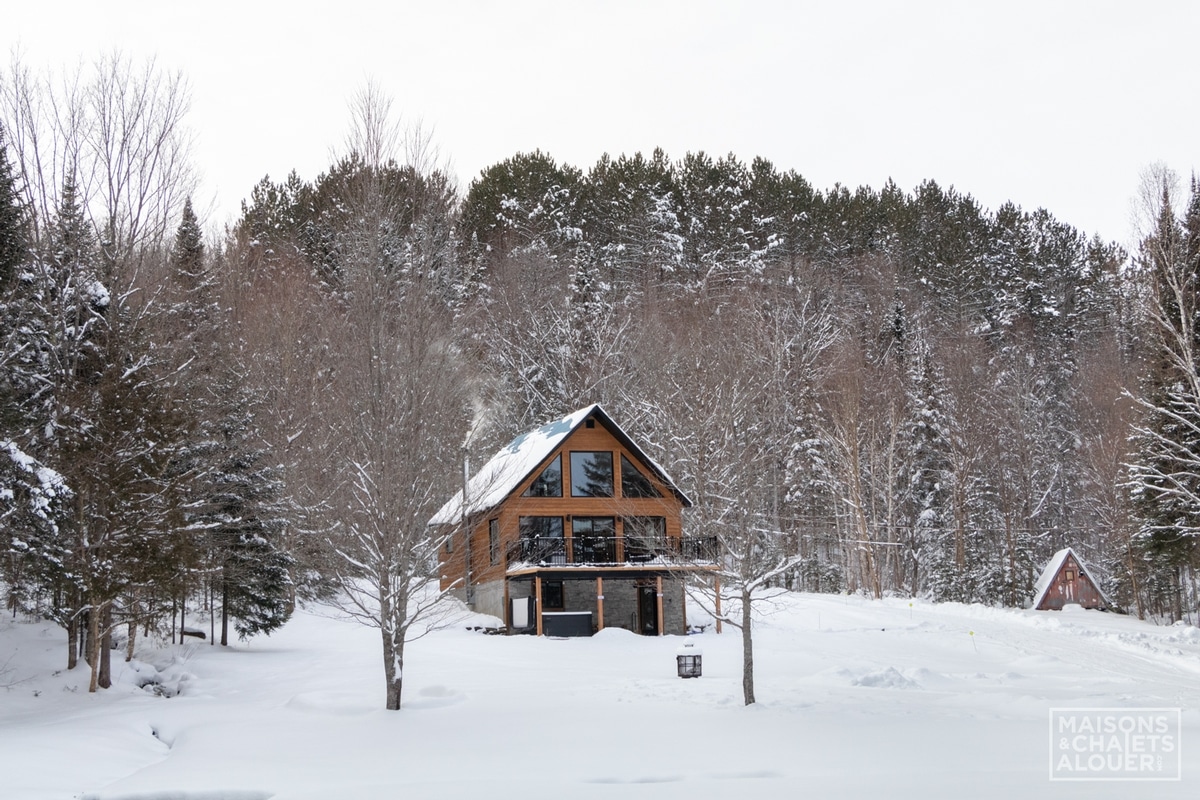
612	550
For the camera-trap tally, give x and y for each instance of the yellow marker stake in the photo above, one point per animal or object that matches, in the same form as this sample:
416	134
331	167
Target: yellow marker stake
972	633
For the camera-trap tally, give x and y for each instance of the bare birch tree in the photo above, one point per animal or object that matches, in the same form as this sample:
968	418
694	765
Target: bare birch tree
116	129
397	405
729	454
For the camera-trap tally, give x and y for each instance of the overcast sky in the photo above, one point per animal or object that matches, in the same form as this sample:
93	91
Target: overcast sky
1054	104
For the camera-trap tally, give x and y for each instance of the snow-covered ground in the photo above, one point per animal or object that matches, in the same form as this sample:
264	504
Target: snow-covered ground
857	698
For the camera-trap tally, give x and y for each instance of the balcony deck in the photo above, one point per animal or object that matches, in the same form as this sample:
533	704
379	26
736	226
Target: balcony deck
610	553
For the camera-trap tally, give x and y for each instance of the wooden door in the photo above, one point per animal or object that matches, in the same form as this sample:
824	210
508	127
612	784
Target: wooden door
647	611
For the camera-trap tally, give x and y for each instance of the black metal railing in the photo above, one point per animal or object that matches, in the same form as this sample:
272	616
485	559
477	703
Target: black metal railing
700	548
551	550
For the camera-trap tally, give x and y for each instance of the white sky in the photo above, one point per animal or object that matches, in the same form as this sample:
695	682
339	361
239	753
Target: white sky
1055	104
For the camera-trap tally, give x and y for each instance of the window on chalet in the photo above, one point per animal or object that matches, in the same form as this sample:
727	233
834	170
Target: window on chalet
541	527
494	541
634	483
645	537
542	539
591	474
549	483
594	540
593	526
552	594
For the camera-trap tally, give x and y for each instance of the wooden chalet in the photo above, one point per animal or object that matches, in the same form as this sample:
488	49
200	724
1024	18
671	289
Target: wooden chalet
572	528
1067	580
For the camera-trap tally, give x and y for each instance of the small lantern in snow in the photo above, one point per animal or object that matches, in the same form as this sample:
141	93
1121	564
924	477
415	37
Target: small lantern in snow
688	660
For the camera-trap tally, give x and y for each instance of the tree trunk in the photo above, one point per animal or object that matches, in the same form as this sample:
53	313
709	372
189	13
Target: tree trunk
393	668
224	608
72	641
1132	567
747	651
106	649
131	639
1177	596
212	617
85	629
93	648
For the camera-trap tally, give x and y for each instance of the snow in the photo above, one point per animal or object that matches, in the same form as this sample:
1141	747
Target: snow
857	699
50	484
97	293
506	469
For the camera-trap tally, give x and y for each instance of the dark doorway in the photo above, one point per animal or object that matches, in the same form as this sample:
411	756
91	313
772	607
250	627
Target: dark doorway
647	611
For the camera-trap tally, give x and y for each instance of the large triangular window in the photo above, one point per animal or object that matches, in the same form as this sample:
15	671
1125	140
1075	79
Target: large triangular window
549	483
634	483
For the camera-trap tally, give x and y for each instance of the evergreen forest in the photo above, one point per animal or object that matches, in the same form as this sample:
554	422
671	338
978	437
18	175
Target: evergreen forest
901	391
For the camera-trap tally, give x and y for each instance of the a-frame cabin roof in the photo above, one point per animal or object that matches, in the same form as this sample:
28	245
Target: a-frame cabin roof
1046	580
517	460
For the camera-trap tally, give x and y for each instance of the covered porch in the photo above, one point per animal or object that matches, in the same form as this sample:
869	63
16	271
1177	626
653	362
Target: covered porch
576	601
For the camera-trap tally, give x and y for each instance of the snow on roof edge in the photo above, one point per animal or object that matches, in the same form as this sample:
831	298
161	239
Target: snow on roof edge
516	460
492	483
1052	568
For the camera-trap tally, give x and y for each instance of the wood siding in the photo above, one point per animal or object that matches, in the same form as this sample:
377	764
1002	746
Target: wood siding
512	508
1071	585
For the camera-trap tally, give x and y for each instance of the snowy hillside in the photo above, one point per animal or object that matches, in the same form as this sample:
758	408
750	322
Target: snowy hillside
857	699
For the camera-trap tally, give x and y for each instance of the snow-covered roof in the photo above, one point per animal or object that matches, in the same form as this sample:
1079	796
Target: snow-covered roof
1052	569
508	468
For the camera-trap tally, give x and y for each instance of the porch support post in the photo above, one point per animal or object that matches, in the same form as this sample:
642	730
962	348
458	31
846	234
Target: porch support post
658	588
683	597
537	602
717	600
599	604
508	622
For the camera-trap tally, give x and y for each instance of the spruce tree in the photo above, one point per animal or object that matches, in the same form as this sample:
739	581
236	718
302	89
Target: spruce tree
33	498
932	536
235	501
187	254
13	257
242	509
1166	474
14	244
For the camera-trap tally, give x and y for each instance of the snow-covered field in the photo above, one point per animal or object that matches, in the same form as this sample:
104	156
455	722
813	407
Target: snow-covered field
857	698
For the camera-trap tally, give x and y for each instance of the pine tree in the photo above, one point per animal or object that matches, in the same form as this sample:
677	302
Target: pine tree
717	218
525	202
631	217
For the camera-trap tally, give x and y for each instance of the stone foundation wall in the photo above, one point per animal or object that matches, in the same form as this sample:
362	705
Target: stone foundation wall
620	601
489	599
